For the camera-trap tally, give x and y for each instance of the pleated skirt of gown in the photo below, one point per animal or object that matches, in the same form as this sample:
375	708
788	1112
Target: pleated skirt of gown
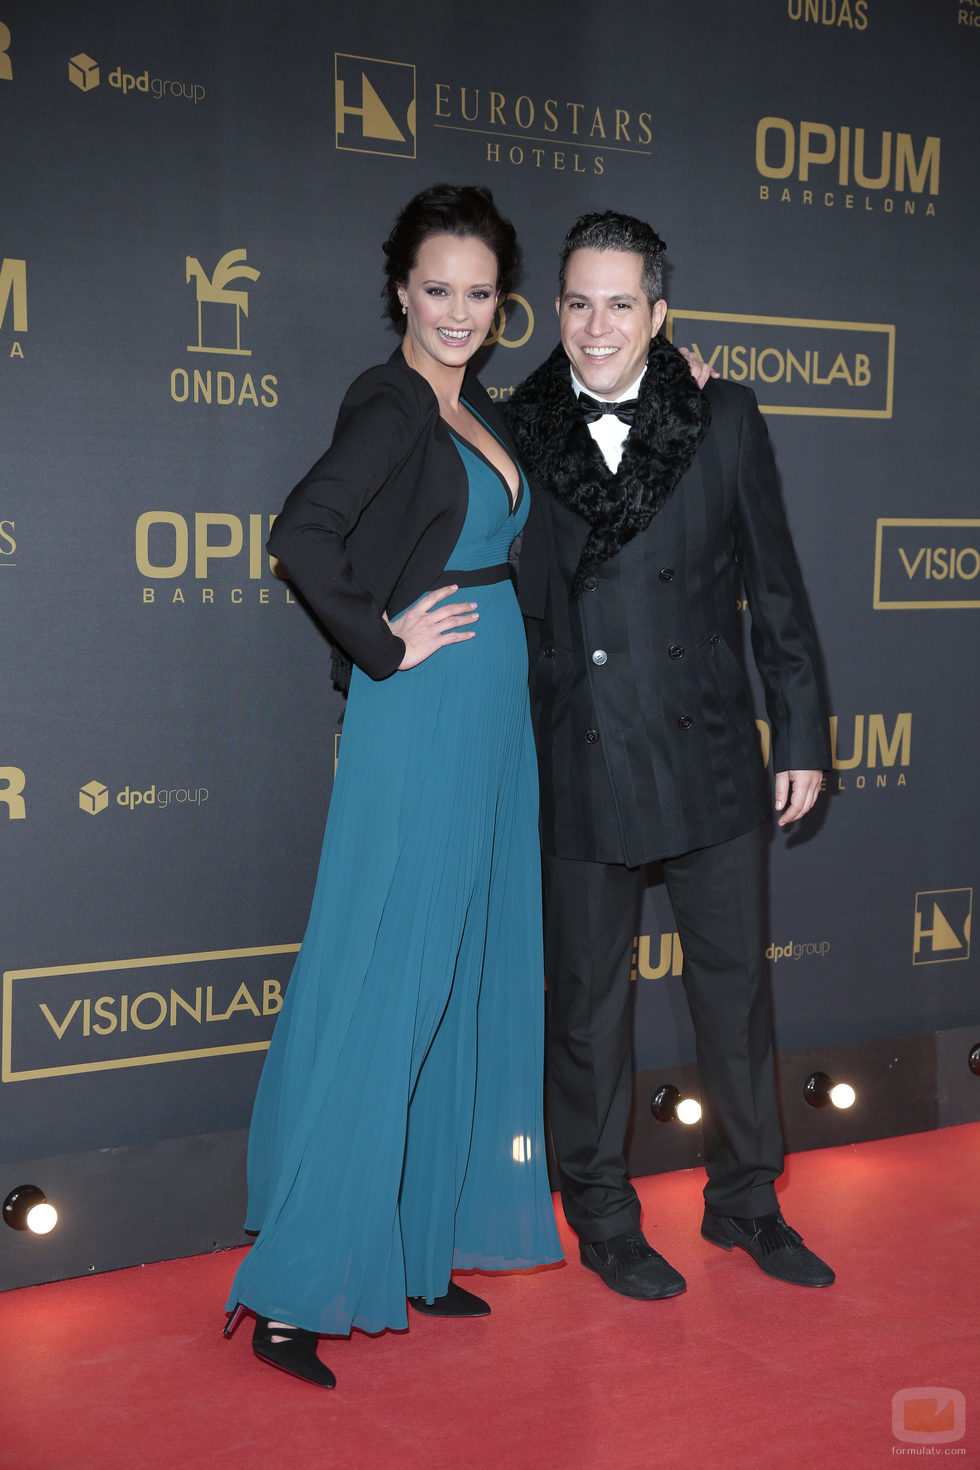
397	1130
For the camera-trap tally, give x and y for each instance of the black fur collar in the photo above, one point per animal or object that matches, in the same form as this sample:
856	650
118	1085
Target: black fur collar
558	451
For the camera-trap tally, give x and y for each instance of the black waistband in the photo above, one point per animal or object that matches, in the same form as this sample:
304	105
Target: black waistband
479	577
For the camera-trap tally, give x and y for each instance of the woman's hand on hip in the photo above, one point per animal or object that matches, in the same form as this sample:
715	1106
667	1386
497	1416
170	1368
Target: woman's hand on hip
424	628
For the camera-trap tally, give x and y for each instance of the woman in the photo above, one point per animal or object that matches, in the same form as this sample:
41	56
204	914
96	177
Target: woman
397	1130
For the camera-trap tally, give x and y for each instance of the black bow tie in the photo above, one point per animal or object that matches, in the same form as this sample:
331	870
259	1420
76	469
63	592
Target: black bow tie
593	409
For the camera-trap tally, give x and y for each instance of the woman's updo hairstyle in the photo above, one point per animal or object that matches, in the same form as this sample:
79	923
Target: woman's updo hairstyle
463	210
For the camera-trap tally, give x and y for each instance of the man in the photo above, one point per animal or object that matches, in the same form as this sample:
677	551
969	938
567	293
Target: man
654	500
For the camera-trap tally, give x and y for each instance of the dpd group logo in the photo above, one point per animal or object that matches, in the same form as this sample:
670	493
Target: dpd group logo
94	797
85	73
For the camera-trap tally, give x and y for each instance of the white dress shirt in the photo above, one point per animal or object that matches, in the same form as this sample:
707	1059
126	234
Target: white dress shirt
609	432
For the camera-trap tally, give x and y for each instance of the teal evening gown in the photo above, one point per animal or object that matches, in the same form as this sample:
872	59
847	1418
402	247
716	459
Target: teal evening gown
397	1131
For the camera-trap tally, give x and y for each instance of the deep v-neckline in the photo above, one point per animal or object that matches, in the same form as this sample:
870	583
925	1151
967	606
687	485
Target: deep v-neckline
514	504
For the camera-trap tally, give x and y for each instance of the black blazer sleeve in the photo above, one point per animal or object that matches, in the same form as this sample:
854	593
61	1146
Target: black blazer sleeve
784	640
379	424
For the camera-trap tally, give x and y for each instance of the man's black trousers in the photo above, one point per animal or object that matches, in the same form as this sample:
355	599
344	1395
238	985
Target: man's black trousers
591	914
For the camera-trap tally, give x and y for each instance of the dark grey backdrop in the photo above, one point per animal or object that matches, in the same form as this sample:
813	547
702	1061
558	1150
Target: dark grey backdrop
167	739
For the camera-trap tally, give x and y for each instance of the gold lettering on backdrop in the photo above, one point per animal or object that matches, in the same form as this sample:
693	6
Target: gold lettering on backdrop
6	70
929	562
151	1009
375	105
12	783
13	293
850	15
376	120
216	290
896	746
60	1029
180	1020
810	367
222	388
942	926
221	304
172	539
774	365
941	562
884	747
670	959
889	161
534	122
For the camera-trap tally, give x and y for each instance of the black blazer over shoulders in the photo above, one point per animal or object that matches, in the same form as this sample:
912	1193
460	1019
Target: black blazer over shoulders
372	525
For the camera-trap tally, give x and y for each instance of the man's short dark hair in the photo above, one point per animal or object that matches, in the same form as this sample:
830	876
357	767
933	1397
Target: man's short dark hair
612	231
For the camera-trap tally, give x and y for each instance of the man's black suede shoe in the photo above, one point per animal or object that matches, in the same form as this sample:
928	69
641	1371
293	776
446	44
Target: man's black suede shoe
775	1247
629	1264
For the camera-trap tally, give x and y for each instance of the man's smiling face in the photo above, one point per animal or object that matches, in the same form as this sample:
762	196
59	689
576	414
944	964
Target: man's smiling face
606	321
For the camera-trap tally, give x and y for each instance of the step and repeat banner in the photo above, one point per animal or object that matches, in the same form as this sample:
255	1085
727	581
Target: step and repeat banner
192	203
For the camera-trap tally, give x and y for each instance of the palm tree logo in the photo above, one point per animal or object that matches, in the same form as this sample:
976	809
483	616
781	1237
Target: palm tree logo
230	267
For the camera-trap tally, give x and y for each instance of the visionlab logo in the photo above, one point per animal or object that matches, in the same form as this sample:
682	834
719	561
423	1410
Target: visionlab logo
94	797
926	562
943	920
797	365
79	1018
85	73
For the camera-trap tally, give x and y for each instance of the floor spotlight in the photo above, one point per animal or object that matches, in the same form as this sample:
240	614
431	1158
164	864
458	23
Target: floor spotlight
821	1090
975	1060
667	1104
26	1208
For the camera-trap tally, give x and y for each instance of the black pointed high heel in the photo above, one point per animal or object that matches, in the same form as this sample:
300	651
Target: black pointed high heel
295	1354
457	1302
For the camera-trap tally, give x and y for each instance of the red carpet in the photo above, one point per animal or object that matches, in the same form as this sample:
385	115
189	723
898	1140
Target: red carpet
130	1369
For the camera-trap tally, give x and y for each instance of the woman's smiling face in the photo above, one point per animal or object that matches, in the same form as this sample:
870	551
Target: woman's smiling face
450	299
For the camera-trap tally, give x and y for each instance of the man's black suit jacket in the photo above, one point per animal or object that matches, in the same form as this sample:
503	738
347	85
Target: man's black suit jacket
646	732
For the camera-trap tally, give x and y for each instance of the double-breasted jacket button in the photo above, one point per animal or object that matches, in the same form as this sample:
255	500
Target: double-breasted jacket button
715	639
676	650
666	574
600	656
685	722
549	650
590	584
592	736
